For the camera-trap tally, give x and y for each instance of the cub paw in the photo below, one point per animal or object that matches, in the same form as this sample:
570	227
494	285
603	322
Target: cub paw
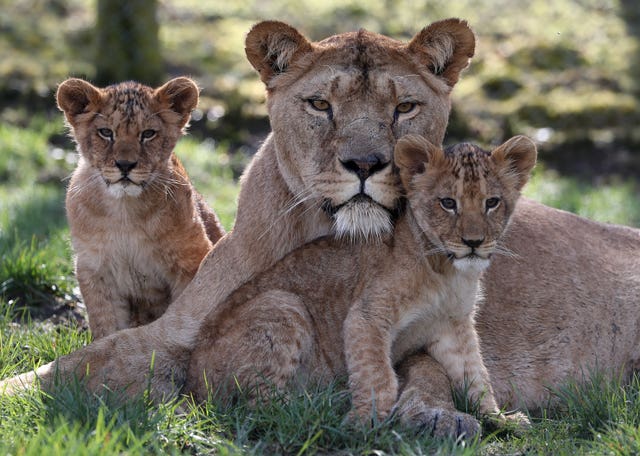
435	421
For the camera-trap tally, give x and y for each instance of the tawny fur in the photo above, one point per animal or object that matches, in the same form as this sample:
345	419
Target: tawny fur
138	227
307	171
544	319
333	307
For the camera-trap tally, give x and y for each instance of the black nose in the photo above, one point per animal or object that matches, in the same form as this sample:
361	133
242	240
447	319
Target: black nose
365	166
473	243
125	166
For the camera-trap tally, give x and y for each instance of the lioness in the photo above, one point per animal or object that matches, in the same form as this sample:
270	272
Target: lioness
334	307
337	108
138	227
546	309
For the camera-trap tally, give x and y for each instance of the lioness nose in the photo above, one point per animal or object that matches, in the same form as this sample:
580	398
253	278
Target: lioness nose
365	166
125	165
473	243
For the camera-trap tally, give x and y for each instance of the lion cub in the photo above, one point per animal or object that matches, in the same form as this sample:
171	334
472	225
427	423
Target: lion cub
138	227
336	307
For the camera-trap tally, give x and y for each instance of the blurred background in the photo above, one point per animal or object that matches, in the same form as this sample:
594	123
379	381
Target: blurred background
566	73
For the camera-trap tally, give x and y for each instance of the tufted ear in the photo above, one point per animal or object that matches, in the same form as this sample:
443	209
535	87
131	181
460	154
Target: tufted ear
181	95
412	154
272	46
445	47
75	96
518	157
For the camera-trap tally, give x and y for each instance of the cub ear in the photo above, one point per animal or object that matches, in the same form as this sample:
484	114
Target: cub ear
272	46
445	47
518	156
181	94
411	155
75	96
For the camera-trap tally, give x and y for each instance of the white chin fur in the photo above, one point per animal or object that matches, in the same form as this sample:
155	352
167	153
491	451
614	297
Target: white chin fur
362	220
471	264
120	191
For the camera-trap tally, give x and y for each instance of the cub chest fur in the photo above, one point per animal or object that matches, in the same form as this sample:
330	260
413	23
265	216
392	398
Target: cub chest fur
441	298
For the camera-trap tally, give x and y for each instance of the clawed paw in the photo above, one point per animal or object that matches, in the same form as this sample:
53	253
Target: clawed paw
438	422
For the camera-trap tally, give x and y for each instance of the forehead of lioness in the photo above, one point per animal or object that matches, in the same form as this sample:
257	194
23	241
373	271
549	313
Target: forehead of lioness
364	75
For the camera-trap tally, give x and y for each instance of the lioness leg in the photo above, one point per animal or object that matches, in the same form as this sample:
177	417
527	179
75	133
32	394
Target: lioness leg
258	345
425	399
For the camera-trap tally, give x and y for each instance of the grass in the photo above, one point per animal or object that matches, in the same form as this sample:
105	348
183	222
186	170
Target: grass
544	73
36	271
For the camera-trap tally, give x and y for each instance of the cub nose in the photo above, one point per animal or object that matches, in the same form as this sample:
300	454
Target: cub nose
364	167
473	243
125	165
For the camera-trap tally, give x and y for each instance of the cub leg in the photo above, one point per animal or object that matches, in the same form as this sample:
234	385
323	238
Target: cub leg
425	400
107	313
455	345
258	345
372	379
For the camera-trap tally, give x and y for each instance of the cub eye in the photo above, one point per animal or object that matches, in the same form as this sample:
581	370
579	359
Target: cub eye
405	107
448	204
147	134
320	105
492	203
105	133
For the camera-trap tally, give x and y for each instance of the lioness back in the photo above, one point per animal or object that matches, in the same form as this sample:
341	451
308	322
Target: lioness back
334	307
138	228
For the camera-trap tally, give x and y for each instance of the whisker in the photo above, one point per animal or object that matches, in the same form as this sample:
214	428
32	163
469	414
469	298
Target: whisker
503	250
295	201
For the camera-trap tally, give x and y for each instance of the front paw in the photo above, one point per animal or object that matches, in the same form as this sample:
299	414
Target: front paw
438	422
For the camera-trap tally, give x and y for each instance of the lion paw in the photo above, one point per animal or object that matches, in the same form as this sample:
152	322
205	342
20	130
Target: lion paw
438	422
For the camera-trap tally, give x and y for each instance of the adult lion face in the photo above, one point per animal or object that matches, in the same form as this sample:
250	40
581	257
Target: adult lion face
338	106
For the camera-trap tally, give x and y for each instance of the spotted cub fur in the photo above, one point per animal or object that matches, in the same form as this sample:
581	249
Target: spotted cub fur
336	307
138	227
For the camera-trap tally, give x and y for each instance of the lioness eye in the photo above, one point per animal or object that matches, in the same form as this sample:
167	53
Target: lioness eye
105	133
404	108
320	105
492	203
448	204
148	134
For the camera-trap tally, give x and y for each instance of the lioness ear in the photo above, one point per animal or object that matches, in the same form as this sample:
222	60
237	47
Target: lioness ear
411	155
181	95
518	155
272	46
445	47
74	96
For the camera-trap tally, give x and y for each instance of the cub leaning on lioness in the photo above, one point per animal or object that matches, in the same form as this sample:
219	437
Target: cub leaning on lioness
138	227
566	302
337	108
335	307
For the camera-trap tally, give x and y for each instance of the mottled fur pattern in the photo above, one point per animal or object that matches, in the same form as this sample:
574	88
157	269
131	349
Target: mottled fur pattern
333	308
318	160
566	299
138	228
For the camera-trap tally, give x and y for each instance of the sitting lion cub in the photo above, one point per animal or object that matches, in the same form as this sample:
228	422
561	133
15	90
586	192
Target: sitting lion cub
334	307
138	227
